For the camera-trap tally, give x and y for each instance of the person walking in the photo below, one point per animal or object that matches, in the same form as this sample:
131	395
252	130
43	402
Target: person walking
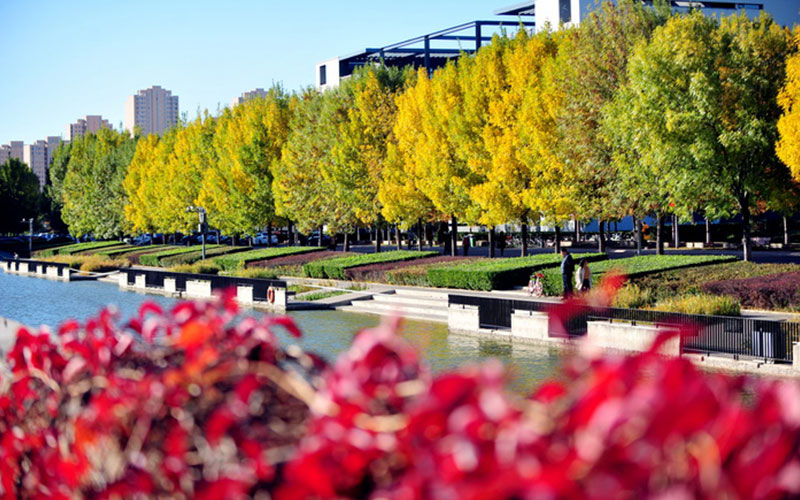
501	242
567	270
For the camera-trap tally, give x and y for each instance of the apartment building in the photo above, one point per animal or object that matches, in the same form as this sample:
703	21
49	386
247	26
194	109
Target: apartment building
247	96
35	156
88	124
53	142
152	111
5	153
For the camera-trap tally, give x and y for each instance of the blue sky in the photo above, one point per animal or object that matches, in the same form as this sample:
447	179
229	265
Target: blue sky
63	60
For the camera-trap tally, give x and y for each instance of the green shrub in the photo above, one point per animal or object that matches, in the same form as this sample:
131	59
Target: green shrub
99	264
202	267
701	303
240	260
408	276
123	251
498	274
323	294
75	248
631	296
334	268
632	267
154	259
255	272
192	257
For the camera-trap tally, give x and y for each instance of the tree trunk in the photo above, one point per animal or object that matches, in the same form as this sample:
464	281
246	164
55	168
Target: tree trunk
577	230
747	251
453	236
524	237
269	235
320	236
420	234
785	231
378	239
708	232
398	237
491	242
558	239
637	231
659	234
601	237
676	237
346	245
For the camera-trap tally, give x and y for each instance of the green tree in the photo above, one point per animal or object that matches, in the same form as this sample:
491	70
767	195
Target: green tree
788	147
19	195
590	68
701	113
92	193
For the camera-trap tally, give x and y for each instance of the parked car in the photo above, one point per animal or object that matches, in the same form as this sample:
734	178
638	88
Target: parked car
265	239
313	239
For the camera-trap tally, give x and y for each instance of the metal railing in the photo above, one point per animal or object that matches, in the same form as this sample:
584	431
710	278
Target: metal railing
729	335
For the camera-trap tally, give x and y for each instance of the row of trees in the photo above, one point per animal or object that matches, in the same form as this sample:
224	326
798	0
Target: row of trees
636	111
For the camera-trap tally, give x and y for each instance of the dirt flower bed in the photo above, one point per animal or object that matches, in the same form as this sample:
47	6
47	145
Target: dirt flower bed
377	272
776	291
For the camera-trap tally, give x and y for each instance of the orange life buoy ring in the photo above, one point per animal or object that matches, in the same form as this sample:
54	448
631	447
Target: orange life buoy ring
271	295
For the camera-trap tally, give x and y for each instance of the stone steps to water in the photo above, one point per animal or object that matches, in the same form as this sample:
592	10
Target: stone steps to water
413	304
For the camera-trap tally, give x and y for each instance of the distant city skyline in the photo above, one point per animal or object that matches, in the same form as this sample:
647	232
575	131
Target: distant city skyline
208	53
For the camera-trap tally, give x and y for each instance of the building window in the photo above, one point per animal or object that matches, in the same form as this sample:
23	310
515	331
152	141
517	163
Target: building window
565	10
323	77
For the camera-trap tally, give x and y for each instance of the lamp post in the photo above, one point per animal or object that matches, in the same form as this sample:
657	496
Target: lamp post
30	235
201	212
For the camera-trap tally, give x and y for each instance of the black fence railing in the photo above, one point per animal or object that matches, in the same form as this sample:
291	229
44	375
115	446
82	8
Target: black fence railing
155	279
14	265
728	335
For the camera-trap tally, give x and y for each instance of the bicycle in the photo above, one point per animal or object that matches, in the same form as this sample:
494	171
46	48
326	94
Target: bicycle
535	287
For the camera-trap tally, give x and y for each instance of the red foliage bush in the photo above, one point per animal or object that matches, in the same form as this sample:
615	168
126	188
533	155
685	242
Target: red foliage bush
208	405
777	291
377	272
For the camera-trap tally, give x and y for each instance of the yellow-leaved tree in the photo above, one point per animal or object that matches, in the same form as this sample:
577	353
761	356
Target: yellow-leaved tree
237	188
788	147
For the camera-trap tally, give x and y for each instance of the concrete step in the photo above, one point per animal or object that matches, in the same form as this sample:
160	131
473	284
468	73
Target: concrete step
407	315
387	308
409	300
421	293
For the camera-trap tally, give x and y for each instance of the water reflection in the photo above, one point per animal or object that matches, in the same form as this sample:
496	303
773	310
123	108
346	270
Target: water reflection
36	301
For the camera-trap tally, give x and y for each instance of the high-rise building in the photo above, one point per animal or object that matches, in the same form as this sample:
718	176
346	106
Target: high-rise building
5	153
17	150
35	156
152	111
89	124
53	142
249	96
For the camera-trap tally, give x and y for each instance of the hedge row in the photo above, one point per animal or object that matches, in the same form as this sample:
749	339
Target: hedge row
123	252
499	274
778	291
632	267
335	268
240	260
75	248
192	257
154	259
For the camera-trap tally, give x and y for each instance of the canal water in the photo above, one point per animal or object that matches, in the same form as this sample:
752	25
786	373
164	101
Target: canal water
37	301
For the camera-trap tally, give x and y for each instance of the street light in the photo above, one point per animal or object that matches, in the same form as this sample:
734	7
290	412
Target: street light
201	212
30	236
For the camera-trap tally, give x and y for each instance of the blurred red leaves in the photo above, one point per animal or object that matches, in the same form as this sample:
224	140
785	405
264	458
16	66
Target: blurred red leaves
200	402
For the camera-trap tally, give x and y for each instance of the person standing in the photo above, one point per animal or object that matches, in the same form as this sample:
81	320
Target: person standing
583	277
567	270
501	242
